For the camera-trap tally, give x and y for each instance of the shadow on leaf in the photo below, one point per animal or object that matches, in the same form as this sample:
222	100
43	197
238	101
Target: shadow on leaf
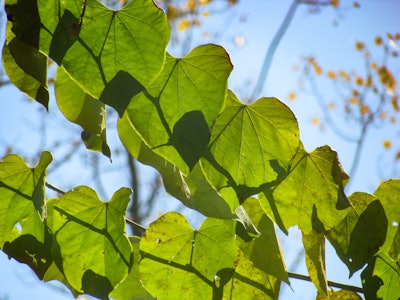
27	249
96	285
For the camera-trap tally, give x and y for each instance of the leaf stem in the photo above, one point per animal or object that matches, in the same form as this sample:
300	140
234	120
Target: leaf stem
330	283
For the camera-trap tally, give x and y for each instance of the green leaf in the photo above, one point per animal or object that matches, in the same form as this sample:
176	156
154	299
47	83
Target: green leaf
108	45
388	194
25	21
81	221
389	271
343	295
371	283
174	114
24	64
22	196
263	251
175	255
251	145
82	109
22	202
358	237
314	246
311	196
131	287
26	68
249	282
193	190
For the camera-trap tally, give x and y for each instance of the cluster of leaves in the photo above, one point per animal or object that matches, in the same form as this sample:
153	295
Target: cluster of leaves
242	166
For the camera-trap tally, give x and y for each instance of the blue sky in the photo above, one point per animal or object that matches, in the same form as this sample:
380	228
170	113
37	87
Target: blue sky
255	22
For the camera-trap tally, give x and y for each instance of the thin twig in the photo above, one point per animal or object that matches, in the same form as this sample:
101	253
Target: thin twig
56	189
330	283
318	96
134	224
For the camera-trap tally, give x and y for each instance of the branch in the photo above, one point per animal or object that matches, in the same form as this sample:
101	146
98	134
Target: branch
319	98
330	283
56	189
272	47
134	224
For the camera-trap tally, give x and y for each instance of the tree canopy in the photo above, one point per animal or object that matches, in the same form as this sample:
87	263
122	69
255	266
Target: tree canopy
243	166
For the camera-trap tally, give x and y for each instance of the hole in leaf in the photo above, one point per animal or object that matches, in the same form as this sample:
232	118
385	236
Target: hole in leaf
158	240
395	224
18	227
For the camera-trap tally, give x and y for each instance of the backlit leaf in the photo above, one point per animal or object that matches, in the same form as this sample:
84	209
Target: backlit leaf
311	196
193	190
388	194
82	109
359	236
249	282
183	261
251	145
130	41
314	245
24	64
389	271
89	234
22	196
174	114
263	250
22	211
131	287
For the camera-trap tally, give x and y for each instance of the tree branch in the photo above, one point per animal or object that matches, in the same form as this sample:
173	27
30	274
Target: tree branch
330	283
272	48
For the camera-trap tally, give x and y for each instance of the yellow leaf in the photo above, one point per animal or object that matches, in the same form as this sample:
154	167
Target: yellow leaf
331	74
398	155
378	40
387	144
360	46
191	5
315	121
344	75
353	100
331	105
184	24
383	115
359	81
292	96
335	3
395	103
364	109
